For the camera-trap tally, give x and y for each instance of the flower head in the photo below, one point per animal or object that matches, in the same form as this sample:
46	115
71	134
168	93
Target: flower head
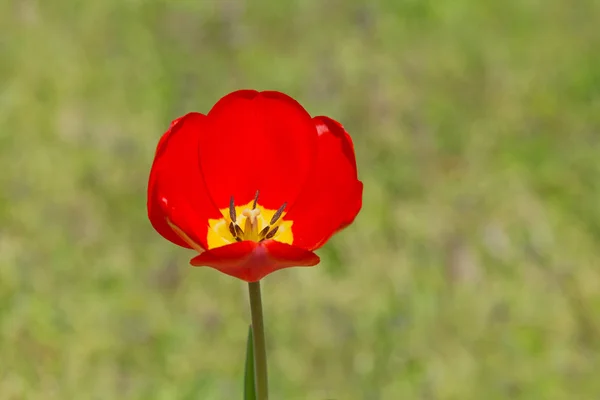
254	186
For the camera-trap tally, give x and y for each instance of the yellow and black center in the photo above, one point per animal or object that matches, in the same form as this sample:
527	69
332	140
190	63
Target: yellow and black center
249	222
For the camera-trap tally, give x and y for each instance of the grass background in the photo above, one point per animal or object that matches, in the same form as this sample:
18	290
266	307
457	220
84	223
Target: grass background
471	273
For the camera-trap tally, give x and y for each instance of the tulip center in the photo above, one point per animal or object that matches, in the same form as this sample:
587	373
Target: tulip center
250	222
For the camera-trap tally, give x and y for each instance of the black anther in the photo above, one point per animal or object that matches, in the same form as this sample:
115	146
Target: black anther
255	200
264	231
278	213
272	233
232	209
238	231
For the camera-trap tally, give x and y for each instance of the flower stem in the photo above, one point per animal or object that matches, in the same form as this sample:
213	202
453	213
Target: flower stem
258	334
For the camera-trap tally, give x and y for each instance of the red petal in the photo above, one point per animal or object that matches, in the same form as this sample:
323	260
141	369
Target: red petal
176	189
251	261
333	197
258	141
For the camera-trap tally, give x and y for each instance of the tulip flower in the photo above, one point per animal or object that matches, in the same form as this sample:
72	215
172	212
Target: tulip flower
255	185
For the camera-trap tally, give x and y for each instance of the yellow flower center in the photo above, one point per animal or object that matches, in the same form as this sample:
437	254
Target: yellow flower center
249	222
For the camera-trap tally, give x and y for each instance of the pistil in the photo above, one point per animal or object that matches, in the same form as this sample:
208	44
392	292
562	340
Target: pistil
251	223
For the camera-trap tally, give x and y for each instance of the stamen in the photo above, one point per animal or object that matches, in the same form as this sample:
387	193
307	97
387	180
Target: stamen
272	233
232	209
238	231
232	229
264	231
278	213
250	220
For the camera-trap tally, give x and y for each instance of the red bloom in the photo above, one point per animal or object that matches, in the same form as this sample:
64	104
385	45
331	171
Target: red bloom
255	185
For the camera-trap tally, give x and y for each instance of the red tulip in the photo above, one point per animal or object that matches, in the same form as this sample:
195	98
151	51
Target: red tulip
254	186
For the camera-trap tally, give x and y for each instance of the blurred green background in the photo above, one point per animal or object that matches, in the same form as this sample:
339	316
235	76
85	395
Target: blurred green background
473	271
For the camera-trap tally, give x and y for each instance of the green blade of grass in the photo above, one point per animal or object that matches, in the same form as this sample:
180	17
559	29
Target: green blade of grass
249	389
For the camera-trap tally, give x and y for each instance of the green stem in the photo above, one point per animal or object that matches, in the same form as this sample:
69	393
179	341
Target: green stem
258	334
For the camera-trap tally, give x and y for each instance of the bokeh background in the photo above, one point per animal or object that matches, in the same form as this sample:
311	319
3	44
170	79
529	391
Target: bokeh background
473	271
